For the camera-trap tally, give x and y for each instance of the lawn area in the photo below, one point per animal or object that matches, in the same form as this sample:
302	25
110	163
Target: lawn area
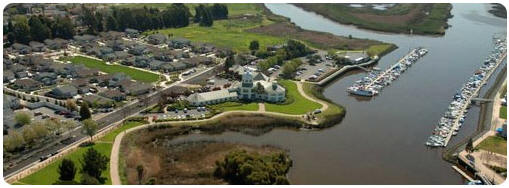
295	103
380	49
231	106
503	112
49	174
495	144
135	74
226	34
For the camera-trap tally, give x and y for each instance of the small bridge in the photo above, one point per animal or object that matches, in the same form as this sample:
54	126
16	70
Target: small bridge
481	100
361	67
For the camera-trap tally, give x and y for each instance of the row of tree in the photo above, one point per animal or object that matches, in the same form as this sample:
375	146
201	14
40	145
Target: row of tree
38	28
292	49
205	15
33	131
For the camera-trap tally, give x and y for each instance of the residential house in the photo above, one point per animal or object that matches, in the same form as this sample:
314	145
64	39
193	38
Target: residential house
96	101
179	43
37	46
26	84
132	33
157	39
8	76
64	92
113	94
47	78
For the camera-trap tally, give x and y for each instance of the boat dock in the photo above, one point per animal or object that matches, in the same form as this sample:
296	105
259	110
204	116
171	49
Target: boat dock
462	173
376	80
464	109
454	117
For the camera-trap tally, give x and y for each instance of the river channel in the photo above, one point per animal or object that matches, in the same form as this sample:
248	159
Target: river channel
381	141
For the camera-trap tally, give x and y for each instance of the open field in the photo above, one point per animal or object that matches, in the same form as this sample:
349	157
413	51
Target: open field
226	34
231	106
135	74
495	144
49	174
250	22
401	18
295	103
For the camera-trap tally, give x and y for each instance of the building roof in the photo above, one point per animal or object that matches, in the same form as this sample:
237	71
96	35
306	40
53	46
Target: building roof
212	95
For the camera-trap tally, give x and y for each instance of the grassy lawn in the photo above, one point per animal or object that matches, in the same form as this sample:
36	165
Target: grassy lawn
380	49
226	34
295	103
49	174
333	110
231	106
135	74
503	112
495	144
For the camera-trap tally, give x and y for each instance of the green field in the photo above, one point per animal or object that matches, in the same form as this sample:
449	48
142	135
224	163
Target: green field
135	74
503	112
495	144
49	174
295	103
226	34
232	106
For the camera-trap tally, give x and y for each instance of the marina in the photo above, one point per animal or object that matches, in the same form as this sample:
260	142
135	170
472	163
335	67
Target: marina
376	80
454	117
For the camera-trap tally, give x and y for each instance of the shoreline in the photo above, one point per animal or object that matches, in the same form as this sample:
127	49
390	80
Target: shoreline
374	29
483	125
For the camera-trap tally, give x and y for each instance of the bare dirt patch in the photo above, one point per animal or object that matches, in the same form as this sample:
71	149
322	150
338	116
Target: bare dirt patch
390	19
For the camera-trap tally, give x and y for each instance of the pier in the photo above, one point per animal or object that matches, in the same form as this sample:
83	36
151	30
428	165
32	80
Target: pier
464	109
375	81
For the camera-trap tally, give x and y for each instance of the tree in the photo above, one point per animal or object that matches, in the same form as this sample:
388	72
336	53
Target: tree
88	180
66	170
90	127
23	118
85	111
206	19
93	164
228	63
140	171
259	88
22	31
290	67
470	146
71	105
198	13
13	141
111	23
38	30
254	45
63	28
219	11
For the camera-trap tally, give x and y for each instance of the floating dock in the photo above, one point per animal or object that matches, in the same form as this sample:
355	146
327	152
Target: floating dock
375	81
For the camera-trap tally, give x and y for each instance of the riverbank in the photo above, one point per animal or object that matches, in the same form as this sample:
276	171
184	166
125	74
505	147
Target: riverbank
485	119
425	19
182	163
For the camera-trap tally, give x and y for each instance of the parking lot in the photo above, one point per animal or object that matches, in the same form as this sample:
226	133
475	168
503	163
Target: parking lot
307	71
180	114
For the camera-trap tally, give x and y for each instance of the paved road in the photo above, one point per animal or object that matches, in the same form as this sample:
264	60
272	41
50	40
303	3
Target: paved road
104	122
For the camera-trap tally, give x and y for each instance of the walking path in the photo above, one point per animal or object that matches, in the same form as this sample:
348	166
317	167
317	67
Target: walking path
261	107
114	158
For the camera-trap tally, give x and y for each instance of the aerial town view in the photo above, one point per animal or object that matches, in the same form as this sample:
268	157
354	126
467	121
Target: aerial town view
252	93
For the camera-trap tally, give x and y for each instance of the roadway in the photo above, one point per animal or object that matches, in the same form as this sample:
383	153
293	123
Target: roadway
104	122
